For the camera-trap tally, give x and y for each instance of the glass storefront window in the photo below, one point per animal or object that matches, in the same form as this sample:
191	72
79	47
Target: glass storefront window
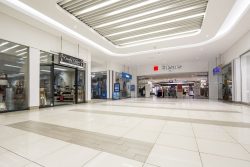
13	76
226	83
99	85
245	72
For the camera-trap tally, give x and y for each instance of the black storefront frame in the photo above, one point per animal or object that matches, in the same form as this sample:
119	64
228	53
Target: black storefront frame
52	77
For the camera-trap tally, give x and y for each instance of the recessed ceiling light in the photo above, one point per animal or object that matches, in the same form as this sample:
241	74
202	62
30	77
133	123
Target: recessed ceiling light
12	47
131	7
96	7
4	43
21	53
21	50
9	65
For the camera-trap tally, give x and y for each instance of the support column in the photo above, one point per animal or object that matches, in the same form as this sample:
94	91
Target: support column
34	78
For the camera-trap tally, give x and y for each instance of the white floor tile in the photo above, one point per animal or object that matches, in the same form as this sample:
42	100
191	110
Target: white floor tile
226	149
178	141
9	159
218	161
142	135
8	132
109	160
33	165
149	165
69	156
165	156
40	148
184	131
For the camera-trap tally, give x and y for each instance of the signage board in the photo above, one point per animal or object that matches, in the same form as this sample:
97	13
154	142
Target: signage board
217	70
126	75
132	88
71	61
168	68
116	87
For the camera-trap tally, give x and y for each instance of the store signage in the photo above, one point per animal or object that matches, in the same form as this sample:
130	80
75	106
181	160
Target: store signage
217	70
71	61
132	88
116	87
126	75
168	68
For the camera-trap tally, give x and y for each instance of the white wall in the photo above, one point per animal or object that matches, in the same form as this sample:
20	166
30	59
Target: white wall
19	32
213	81
241	46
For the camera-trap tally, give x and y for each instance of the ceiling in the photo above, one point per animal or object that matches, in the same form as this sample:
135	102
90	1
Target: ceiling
125	22
214	37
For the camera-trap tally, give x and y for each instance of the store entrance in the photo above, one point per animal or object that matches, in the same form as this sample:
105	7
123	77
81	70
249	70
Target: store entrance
183	85
61	85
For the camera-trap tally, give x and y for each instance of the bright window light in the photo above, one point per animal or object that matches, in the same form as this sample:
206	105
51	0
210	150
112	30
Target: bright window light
21	50
12	47
101	5
156	17
9	65
60	69
131	7
4	43
157	24
21	53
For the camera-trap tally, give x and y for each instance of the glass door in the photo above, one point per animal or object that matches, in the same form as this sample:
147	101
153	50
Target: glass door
46	89
80	78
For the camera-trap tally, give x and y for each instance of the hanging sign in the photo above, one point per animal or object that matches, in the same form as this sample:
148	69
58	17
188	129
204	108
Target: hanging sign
71	61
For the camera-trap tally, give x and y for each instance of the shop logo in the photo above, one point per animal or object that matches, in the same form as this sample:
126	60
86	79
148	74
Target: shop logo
156	68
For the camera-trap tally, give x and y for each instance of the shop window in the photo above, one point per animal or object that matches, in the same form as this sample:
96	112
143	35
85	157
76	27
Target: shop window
245	70
13	76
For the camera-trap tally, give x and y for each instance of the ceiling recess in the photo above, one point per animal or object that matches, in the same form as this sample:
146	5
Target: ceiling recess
129	22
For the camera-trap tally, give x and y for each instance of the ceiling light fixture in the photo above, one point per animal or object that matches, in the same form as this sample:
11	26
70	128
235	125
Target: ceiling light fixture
131	7
21	53
9	65
21	50
157	24
12	47
96	7
60	69
4	43
156	17
131	17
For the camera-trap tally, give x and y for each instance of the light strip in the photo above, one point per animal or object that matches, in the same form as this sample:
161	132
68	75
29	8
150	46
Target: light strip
157	24
45	71
12	47
9	65
131	7
156	17
21	50
21	53
43	56
96	7
131	17
153	32
239	8
60	69
163	36
4	43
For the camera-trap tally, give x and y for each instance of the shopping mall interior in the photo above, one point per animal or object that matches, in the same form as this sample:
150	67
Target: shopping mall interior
124	83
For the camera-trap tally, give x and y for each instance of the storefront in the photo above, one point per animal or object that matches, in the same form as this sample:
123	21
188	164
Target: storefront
13	76
124	81
225	83
62	80
245	77
99	85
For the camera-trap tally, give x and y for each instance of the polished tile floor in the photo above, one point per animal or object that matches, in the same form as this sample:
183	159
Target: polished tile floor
128	133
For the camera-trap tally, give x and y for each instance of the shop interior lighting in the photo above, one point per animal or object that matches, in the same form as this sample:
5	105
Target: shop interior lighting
4	43
12	47
21	53
45	71
9	65
131	7
239	8
21	50
101	5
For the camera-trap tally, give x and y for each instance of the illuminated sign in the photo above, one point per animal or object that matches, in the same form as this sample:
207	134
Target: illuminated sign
168	68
